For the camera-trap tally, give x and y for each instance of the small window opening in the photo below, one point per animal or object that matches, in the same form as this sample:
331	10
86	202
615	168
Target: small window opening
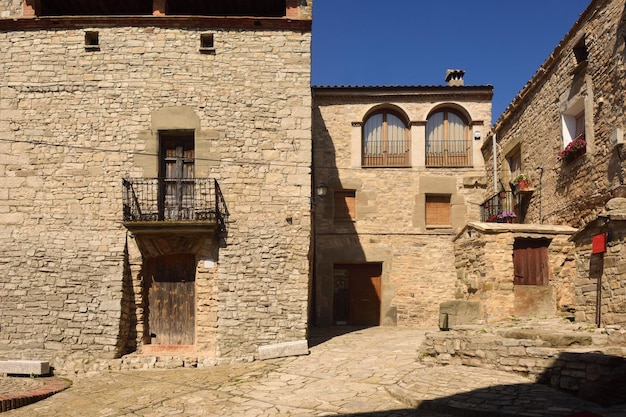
580	51
207	43
92	41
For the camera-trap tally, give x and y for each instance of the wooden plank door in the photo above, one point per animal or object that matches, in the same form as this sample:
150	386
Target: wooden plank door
530	261
363	294
171	299
177	173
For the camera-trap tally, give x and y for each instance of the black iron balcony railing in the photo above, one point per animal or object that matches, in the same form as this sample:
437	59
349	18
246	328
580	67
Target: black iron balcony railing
174	199
499	208
448	153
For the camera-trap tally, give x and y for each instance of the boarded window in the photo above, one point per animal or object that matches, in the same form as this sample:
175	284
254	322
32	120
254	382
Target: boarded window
438	210
530	261
345	205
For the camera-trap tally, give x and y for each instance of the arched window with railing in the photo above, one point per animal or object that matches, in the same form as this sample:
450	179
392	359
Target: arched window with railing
385	140
448	141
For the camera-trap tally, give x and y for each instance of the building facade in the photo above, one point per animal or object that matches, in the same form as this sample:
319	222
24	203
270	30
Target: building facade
564	133
402	172
155	162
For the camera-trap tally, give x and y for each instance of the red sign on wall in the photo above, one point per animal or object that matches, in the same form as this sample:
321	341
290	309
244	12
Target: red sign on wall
598	243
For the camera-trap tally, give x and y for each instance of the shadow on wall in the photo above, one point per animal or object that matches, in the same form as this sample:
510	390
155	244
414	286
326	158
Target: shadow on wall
341	278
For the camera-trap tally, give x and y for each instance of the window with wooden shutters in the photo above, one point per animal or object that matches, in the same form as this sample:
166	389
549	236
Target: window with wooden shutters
385	141
345	205
176	175
530	261
438	210
447	140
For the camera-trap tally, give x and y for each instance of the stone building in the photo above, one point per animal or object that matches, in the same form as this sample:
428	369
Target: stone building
155	163
564	133
398	172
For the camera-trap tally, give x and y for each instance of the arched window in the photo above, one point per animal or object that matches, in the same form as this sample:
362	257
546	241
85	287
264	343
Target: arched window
447	140
385	140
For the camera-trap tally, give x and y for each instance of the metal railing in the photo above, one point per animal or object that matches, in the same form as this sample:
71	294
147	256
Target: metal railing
448	153
180	199
494	208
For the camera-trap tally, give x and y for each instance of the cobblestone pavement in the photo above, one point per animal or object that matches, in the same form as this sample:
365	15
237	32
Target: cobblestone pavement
371	372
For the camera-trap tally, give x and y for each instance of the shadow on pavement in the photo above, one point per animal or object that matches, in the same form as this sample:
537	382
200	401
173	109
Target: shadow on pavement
319	335
577	384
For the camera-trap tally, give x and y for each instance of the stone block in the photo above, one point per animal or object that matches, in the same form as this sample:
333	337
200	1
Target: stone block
459	312
280	350
22	367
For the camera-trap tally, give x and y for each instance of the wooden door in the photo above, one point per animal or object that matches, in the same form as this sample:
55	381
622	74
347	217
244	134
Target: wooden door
530	261
357	294
177	173
171	299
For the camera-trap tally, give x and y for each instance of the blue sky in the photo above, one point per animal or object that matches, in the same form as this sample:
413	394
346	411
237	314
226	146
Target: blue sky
413	42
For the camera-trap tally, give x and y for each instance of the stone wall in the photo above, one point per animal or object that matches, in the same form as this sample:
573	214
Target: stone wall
73	123
590	364
606	268
389	225
10	8
569	192
485	271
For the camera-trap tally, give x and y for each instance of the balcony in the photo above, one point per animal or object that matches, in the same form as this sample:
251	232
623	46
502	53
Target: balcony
448	153
496	208
174	204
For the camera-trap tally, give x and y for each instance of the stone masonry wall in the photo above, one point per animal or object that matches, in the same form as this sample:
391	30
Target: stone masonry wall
72	123
587	363
485	273
389	227
570	192
10	8
608	267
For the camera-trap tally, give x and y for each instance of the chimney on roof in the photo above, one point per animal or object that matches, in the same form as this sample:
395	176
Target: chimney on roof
454	77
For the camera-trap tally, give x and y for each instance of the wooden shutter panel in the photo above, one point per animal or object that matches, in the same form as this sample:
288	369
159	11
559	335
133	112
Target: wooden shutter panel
345	205
530	262
438	210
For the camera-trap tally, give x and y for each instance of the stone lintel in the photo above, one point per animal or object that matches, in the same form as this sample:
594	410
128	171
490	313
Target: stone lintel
279	350
22	367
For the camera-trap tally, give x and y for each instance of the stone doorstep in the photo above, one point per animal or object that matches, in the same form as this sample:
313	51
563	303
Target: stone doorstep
167	349
279	350
22	367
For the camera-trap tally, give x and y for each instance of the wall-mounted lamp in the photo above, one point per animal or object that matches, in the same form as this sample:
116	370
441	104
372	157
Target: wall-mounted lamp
321	190
477	134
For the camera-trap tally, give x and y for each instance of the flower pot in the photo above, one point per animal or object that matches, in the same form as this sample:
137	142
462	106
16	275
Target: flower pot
522	185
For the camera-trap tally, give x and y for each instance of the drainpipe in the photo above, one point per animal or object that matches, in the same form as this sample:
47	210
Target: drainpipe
495	166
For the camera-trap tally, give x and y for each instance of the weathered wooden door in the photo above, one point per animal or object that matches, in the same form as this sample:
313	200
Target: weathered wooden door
530	261
171	298
177	173
357	294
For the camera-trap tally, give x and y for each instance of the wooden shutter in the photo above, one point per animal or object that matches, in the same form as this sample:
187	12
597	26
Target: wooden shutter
530	262
345	204
438	210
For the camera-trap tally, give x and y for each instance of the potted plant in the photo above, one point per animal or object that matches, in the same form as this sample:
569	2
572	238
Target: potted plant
520	182
575	149
506	217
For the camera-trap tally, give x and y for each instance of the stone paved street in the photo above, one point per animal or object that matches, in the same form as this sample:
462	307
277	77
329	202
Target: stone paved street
371	372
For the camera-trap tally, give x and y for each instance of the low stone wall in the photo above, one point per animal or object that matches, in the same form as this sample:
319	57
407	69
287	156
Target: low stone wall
590	364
